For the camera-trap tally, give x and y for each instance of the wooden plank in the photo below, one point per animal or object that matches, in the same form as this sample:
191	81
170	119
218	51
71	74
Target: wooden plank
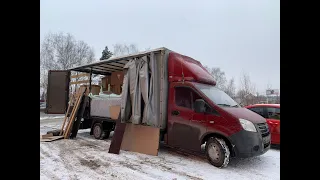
79	82
53	138
43	136
66	116
117	137
72	117
141	139
73	114
80	75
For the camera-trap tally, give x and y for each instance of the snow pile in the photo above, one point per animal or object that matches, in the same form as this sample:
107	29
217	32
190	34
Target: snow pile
51	117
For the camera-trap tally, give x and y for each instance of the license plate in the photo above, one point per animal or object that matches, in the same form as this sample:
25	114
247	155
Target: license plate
266	139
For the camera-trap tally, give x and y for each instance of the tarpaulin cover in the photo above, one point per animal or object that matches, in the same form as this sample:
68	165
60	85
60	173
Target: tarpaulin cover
144	93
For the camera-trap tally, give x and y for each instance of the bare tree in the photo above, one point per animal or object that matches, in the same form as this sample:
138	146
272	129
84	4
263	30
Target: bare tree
59	51
147	49
124	49
230	88
219	76
269	86
247	90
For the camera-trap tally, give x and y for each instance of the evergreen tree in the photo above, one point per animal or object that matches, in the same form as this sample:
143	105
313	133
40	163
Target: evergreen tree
106	54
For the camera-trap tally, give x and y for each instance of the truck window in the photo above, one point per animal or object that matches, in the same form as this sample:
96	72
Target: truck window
273	113
183	97
258	110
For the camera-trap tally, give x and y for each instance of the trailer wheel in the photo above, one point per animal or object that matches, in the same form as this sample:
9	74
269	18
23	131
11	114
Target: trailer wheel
217	152
98	131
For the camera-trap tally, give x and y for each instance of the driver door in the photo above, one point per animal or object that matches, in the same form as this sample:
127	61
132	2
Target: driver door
185	126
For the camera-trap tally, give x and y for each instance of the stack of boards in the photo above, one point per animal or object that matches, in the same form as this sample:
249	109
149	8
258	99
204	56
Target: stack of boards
68	122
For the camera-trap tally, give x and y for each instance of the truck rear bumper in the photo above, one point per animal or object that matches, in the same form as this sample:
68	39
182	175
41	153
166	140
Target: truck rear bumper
249	144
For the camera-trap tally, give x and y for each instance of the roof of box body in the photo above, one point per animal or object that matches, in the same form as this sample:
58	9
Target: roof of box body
106	67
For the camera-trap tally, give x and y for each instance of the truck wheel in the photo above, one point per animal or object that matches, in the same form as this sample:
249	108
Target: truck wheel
217	152
97	131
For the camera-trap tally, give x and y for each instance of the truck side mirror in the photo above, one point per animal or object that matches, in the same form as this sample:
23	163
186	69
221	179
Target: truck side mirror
199	106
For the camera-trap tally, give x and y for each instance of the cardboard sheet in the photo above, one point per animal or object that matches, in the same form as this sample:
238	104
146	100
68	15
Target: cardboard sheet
114	112
141	139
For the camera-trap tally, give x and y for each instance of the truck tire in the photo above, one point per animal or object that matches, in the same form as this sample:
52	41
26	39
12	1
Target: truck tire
217	152
98	131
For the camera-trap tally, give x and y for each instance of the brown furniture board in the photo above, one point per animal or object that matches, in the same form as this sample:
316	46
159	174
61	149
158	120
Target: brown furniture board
57	91
117	78
141	139
117	137
116	89
79	116
114	112
105	81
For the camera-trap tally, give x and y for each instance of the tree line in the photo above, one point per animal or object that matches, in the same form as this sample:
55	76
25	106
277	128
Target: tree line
60	51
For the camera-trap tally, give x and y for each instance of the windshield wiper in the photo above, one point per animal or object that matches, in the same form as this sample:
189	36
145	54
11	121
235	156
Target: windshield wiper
224	105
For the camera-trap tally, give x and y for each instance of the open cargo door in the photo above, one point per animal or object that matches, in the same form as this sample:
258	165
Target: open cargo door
58	91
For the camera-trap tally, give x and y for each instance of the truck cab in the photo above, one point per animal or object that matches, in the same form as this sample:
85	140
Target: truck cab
200	113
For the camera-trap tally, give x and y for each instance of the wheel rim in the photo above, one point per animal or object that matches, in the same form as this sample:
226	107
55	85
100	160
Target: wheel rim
214	153
97	131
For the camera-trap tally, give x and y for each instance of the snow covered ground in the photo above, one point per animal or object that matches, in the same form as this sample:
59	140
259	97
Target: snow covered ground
88	158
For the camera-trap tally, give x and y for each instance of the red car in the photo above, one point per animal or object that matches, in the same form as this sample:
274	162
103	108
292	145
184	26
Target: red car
272	114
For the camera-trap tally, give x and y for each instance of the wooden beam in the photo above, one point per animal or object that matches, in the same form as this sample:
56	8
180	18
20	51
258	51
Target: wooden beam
79	82
80	75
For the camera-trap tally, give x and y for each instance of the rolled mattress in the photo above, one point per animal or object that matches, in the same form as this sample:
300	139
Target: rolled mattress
100	107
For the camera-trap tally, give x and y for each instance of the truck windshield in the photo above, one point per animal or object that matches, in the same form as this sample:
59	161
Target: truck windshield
217	96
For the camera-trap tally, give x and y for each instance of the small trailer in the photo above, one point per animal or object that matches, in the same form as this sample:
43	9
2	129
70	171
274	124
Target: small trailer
100	112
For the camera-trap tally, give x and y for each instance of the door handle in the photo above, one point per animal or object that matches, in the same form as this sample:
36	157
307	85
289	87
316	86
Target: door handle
175	113
200	121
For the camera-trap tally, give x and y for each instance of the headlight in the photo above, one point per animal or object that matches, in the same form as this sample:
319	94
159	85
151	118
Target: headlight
247	125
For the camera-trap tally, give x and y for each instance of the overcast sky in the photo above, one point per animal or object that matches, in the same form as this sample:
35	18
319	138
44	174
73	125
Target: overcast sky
236	35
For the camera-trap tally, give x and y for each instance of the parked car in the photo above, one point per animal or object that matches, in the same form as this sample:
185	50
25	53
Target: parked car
272	114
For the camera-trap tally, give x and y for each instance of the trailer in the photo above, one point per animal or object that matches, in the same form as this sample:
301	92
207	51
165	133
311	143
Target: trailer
94	116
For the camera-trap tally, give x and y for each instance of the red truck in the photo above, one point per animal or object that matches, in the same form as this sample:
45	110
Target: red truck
193	110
